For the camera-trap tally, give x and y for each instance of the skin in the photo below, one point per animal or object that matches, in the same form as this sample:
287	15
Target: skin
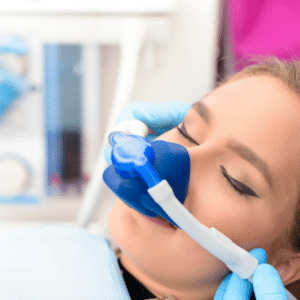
263	114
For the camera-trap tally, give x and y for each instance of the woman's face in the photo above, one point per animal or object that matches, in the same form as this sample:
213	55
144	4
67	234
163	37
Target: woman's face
243	142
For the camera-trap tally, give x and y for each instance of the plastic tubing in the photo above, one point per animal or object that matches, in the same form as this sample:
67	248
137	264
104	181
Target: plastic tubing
237	259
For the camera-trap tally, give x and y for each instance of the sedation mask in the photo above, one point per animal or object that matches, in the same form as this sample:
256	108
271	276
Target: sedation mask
138	165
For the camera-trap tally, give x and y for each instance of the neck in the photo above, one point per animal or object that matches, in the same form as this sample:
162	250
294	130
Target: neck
178	291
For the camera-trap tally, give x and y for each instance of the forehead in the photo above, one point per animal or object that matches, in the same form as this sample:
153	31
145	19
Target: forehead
262	102
256	91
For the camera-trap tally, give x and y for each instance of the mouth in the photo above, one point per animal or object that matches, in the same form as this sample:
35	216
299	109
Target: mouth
161	222
166	223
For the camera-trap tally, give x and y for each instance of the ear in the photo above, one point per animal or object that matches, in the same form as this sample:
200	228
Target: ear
288	266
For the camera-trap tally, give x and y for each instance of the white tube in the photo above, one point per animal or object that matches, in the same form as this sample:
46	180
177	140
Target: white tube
236	258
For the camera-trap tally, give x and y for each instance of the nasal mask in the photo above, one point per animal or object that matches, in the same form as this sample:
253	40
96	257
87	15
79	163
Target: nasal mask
153	179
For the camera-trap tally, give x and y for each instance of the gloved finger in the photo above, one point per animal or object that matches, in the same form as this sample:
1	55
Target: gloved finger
147	111
260	254
222	288
239	289
161	115
236	288
267	284
127	112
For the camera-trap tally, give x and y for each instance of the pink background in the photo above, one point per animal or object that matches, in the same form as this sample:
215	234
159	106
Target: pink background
266	27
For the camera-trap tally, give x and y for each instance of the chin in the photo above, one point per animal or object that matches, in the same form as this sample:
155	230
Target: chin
124	226
159	248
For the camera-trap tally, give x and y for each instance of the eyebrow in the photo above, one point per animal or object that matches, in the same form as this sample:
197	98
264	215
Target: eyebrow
203	111
247	154
242	150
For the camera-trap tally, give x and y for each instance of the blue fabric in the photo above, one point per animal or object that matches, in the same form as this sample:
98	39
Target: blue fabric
172	162
58	262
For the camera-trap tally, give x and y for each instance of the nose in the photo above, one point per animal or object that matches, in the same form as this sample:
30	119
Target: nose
203	161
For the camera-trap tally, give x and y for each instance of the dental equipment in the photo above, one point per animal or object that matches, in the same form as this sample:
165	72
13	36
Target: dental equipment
133	156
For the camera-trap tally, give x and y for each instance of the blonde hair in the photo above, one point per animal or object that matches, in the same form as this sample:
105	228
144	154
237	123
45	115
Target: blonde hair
289	73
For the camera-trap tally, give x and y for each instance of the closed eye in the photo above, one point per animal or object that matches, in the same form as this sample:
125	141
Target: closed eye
184	133
238	186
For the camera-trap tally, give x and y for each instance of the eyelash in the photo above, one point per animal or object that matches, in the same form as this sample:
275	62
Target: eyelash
186	135
238	186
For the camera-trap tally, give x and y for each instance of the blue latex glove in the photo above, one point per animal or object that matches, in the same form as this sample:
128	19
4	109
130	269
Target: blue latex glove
159	117
11	88
11	85
266	283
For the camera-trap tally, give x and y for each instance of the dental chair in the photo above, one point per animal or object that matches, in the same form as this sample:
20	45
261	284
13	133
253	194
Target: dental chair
58	262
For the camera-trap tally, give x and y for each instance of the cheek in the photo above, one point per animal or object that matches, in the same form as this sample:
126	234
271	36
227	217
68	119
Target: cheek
248	222
114	221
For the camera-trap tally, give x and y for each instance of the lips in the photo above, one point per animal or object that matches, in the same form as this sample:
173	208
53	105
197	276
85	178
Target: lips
166	223
161	222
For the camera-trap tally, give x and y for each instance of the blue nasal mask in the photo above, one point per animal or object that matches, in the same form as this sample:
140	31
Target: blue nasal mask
133	153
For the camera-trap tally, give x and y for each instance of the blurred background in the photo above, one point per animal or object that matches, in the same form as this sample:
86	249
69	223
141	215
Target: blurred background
61	64
68	67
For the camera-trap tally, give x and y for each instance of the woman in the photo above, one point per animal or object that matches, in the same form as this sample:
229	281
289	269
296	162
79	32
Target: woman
243	141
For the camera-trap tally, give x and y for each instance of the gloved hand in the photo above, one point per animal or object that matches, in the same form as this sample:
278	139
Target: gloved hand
266	283
159	117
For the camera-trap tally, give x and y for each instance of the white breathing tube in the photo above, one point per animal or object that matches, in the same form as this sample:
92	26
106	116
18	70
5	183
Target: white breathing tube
237	259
